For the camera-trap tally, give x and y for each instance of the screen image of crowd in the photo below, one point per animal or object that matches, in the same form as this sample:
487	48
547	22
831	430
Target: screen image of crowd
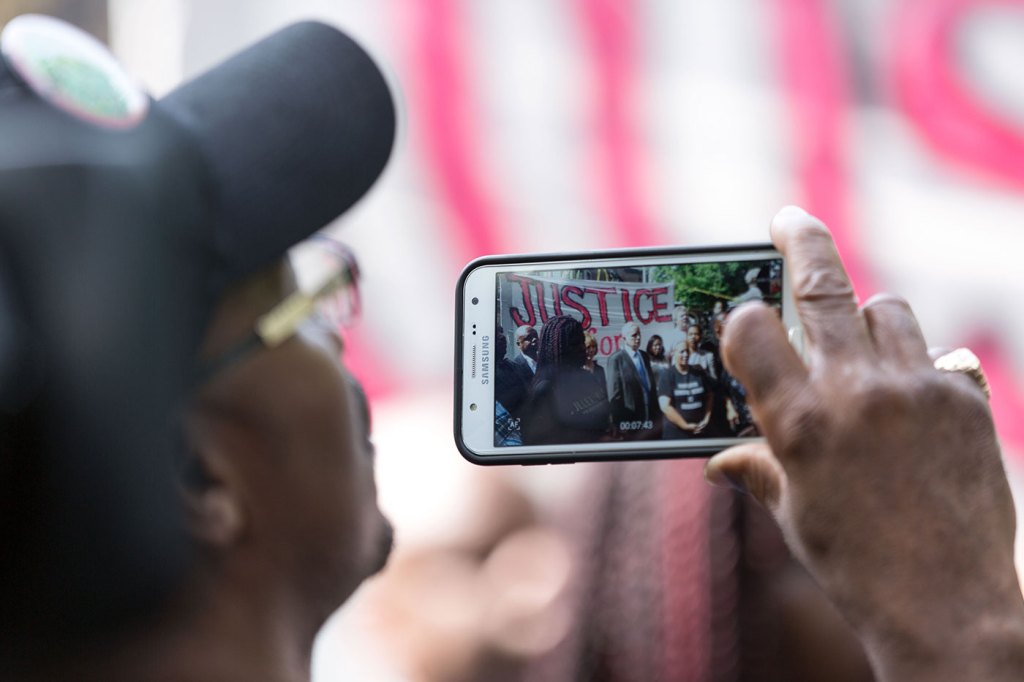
613	354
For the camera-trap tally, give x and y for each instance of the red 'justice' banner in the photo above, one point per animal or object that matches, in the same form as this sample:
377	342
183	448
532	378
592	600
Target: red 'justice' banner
597	304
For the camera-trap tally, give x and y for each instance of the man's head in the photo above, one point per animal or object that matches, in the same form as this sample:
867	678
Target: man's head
526	341
631	335
680	317
210	186
111	281
282	491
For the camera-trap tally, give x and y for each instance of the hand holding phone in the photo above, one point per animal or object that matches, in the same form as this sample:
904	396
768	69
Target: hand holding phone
605	356
884	473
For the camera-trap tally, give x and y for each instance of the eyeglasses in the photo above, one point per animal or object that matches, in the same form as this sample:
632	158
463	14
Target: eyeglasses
331	302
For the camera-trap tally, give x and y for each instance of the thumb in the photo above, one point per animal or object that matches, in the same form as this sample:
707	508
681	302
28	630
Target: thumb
750	468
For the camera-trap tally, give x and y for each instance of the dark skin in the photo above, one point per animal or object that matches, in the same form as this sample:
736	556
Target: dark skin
907	525
283	511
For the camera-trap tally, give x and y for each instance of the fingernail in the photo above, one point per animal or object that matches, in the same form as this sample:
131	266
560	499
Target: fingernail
791	211
721	479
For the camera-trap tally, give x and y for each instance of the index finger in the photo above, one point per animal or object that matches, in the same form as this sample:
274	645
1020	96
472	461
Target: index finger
756	351
824	297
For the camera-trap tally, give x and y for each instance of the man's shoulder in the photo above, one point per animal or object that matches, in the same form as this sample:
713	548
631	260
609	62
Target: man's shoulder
616	361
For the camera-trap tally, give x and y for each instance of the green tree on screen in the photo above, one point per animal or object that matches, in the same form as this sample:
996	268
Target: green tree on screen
699	285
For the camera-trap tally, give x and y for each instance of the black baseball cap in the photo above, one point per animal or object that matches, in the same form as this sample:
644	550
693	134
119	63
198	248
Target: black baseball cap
123	219
294	130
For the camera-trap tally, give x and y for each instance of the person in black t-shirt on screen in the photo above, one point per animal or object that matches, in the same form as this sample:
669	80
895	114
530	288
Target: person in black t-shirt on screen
685	396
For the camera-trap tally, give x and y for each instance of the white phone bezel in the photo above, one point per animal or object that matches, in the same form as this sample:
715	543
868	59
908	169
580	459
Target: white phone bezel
475	348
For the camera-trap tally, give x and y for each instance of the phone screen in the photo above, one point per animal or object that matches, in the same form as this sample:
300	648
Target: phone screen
623	355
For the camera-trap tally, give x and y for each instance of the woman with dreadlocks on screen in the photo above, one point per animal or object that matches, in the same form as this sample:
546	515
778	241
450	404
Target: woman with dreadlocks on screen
568	404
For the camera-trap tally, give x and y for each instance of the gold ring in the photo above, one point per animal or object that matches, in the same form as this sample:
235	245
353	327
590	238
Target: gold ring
964	361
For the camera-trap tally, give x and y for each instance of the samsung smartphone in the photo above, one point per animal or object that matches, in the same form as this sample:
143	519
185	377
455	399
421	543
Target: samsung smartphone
606	355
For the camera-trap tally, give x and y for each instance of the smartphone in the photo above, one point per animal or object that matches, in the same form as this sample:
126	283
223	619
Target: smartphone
609	355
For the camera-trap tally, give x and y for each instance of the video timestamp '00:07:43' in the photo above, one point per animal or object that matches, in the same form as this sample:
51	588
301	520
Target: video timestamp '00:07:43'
636	425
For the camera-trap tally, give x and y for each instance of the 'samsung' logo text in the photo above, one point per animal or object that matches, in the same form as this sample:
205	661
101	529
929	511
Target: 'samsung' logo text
485	360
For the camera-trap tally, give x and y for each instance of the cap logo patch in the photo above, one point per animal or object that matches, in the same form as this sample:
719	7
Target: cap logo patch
72	71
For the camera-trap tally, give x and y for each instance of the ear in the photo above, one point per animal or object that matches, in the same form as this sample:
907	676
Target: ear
215	516
212	490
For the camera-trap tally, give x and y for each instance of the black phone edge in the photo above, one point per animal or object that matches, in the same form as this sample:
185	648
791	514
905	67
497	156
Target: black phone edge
586	456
